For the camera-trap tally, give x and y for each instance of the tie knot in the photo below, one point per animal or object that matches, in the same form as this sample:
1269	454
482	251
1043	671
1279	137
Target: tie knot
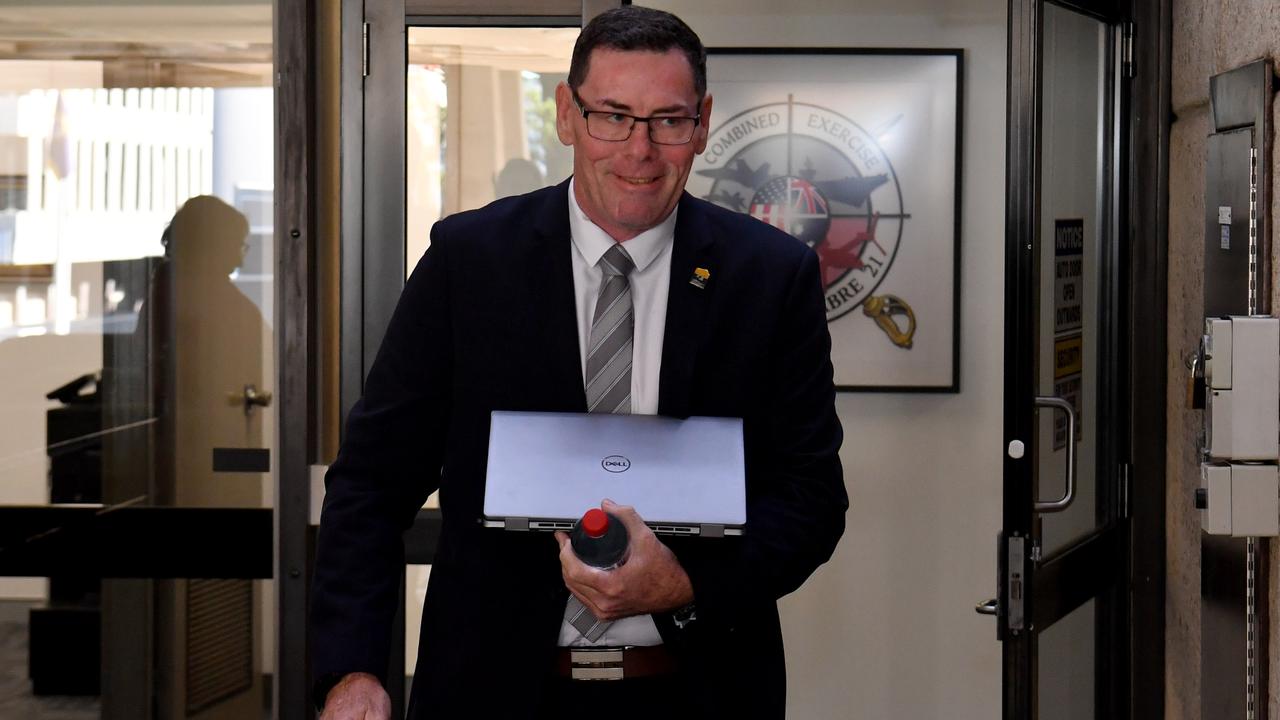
616	261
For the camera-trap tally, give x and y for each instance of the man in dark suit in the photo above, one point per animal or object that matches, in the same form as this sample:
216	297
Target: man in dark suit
509	310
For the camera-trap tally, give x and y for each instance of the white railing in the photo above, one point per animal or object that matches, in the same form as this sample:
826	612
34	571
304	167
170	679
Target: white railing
106	170
140	149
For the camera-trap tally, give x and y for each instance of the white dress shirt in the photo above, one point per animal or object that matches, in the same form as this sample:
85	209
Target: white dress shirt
650	282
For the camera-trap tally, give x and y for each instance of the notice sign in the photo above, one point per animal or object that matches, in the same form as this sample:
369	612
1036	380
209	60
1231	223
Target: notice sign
1068	362
1068	275
1068	389
1068	319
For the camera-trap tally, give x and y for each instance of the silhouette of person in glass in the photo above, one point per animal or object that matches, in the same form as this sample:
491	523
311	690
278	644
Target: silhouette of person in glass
217	351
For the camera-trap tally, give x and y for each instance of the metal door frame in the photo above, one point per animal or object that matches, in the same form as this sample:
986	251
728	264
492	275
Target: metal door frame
120	541
1130	547
374	61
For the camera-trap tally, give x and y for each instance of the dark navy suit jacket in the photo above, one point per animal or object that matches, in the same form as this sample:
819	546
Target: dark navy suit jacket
487	322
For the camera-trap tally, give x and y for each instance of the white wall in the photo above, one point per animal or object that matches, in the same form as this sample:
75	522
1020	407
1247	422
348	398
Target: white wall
887	629
242	140
32	367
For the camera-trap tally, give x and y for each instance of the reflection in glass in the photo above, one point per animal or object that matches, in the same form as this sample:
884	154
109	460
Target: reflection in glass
481	120
135	306
1072	228
1066	667
480	124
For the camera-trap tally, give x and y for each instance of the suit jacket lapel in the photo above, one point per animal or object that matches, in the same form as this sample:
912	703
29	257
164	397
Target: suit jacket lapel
550	286
686	308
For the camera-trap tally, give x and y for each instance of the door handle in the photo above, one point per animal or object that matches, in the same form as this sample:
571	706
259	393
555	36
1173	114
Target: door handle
253	397
987	607
1065	501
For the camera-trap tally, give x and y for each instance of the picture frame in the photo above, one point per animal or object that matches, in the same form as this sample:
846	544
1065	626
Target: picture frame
858	153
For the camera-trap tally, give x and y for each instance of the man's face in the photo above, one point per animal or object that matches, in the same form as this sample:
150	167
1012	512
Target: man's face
629	186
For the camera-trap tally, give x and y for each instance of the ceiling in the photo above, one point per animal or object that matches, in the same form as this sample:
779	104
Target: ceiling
146	43
220	43
541	50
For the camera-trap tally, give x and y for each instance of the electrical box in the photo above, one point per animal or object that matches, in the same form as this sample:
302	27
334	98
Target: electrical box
1242	379
1241	500
1239	491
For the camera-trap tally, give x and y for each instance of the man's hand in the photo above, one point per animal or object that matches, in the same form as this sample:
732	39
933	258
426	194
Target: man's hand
358	696
651	580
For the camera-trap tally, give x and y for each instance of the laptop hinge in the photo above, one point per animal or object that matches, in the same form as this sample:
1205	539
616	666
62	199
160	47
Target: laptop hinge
516	523
712	530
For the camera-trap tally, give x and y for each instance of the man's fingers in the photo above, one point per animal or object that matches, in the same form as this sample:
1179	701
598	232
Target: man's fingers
578	576
586	577
601	591
627	514
357	697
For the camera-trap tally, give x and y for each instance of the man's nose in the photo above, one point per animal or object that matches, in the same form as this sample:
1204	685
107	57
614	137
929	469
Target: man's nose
639	144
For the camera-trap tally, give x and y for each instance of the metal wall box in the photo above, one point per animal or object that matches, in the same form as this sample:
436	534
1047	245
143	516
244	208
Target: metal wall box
1255	500
1240	500
1242	373
1215	516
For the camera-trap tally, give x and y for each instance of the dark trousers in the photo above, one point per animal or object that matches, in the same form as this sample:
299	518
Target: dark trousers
665	696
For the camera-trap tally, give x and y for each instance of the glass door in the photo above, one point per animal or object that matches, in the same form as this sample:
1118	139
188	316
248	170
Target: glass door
137	346
456	109
1061	603
479	126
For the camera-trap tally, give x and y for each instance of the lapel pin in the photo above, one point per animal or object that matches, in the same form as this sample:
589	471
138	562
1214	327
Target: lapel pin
700	277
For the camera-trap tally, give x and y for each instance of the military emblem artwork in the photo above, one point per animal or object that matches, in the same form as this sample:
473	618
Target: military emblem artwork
833	160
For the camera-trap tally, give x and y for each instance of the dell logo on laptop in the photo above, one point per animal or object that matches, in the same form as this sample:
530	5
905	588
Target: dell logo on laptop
616	464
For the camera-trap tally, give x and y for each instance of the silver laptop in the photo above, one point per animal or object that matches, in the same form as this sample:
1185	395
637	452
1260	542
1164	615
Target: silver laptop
684	477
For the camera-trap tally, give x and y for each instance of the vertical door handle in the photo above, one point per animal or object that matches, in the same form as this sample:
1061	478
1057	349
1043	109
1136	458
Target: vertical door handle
1069	495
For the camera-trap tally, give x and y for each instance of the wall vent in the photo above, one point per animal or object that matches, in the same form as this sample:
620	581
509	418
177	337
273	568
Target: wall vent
219	641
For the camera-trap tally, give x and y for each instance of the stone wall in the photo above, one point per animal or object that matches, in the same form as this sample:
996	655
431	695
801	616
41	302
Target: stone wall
1209	37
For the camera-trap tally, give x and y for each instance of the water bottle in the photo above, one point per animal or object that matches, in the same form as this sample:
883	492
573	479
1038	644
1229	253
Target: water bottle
600	539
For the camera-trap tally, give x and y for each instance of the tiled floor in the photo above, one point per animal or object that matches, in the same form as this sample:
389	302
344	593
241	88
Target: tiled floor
16	700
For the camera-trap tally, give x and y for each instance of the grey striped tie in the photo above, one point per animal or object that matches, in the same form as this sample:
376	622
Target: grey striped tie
608	378
608	375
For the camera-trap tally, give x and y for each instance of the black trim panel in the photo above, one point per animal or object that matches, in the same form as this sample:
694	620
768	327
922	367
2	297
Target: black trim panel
135	542
1084	571
241	460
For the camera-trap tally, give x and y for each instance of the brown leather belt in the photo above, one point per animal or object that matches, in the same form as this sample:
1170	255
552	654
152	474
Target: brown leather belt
614	663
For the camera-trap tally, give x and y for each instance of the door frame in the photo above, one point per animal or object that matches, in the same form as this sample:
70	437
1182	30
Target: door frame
374	38
1127	686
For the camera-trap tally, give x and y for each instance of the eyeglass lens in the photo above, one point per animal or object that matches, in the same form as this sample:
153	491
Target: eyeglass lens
662	130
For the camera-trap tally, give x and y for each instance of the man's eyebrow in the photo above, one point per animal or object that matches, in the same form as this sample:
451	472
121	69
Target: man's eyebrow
665	110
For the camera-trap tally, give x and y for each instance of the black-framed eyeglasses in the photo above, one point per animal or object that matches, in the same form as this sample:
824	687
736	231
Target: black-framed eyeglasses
614	126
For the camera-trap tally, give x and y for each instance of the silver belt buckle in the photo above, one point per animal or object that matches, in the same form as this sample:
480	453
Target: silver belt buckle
592	664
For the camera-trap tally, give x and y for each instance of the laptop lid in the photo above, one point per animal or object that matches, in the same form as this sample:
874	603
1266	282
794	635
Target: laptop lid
682	476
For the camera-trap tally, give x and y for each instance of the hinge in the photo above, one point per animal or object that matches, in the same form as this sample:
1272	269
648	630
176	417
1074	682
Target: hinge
364	51
1253	231
1126	49
1251	630
1126	490
1015	591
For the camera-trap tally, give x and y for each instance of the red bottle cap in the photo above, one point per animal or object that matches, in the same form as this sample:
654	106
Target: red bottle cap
595	523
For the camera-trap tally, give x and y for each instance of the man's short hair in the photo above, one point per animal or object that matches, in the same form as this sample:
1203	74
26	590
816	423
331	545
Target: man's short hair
639	28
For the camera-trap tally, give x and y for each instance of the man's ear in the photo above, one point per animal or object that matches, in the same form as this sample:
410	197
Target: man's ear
565	110
704	127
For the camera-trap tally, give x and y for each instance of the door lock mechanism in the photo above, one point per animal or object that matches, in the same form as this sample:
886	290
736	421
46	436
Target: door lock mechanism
253	397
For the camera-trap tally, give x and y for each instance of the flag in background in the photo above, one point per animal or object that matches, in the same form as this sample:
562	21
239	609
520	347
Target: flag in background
59	157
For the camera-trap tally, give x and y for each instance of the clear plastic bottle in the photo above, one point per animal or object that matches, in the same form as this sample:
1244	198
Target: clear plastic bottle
600	539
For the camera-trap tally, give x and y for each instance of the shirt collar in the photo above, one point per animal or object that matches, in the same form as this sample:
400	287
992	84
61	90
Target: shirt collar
592	242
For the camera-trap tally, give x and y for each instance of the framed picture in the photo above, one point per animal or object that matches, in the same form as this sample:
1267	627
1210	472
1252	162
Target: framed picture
855	152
